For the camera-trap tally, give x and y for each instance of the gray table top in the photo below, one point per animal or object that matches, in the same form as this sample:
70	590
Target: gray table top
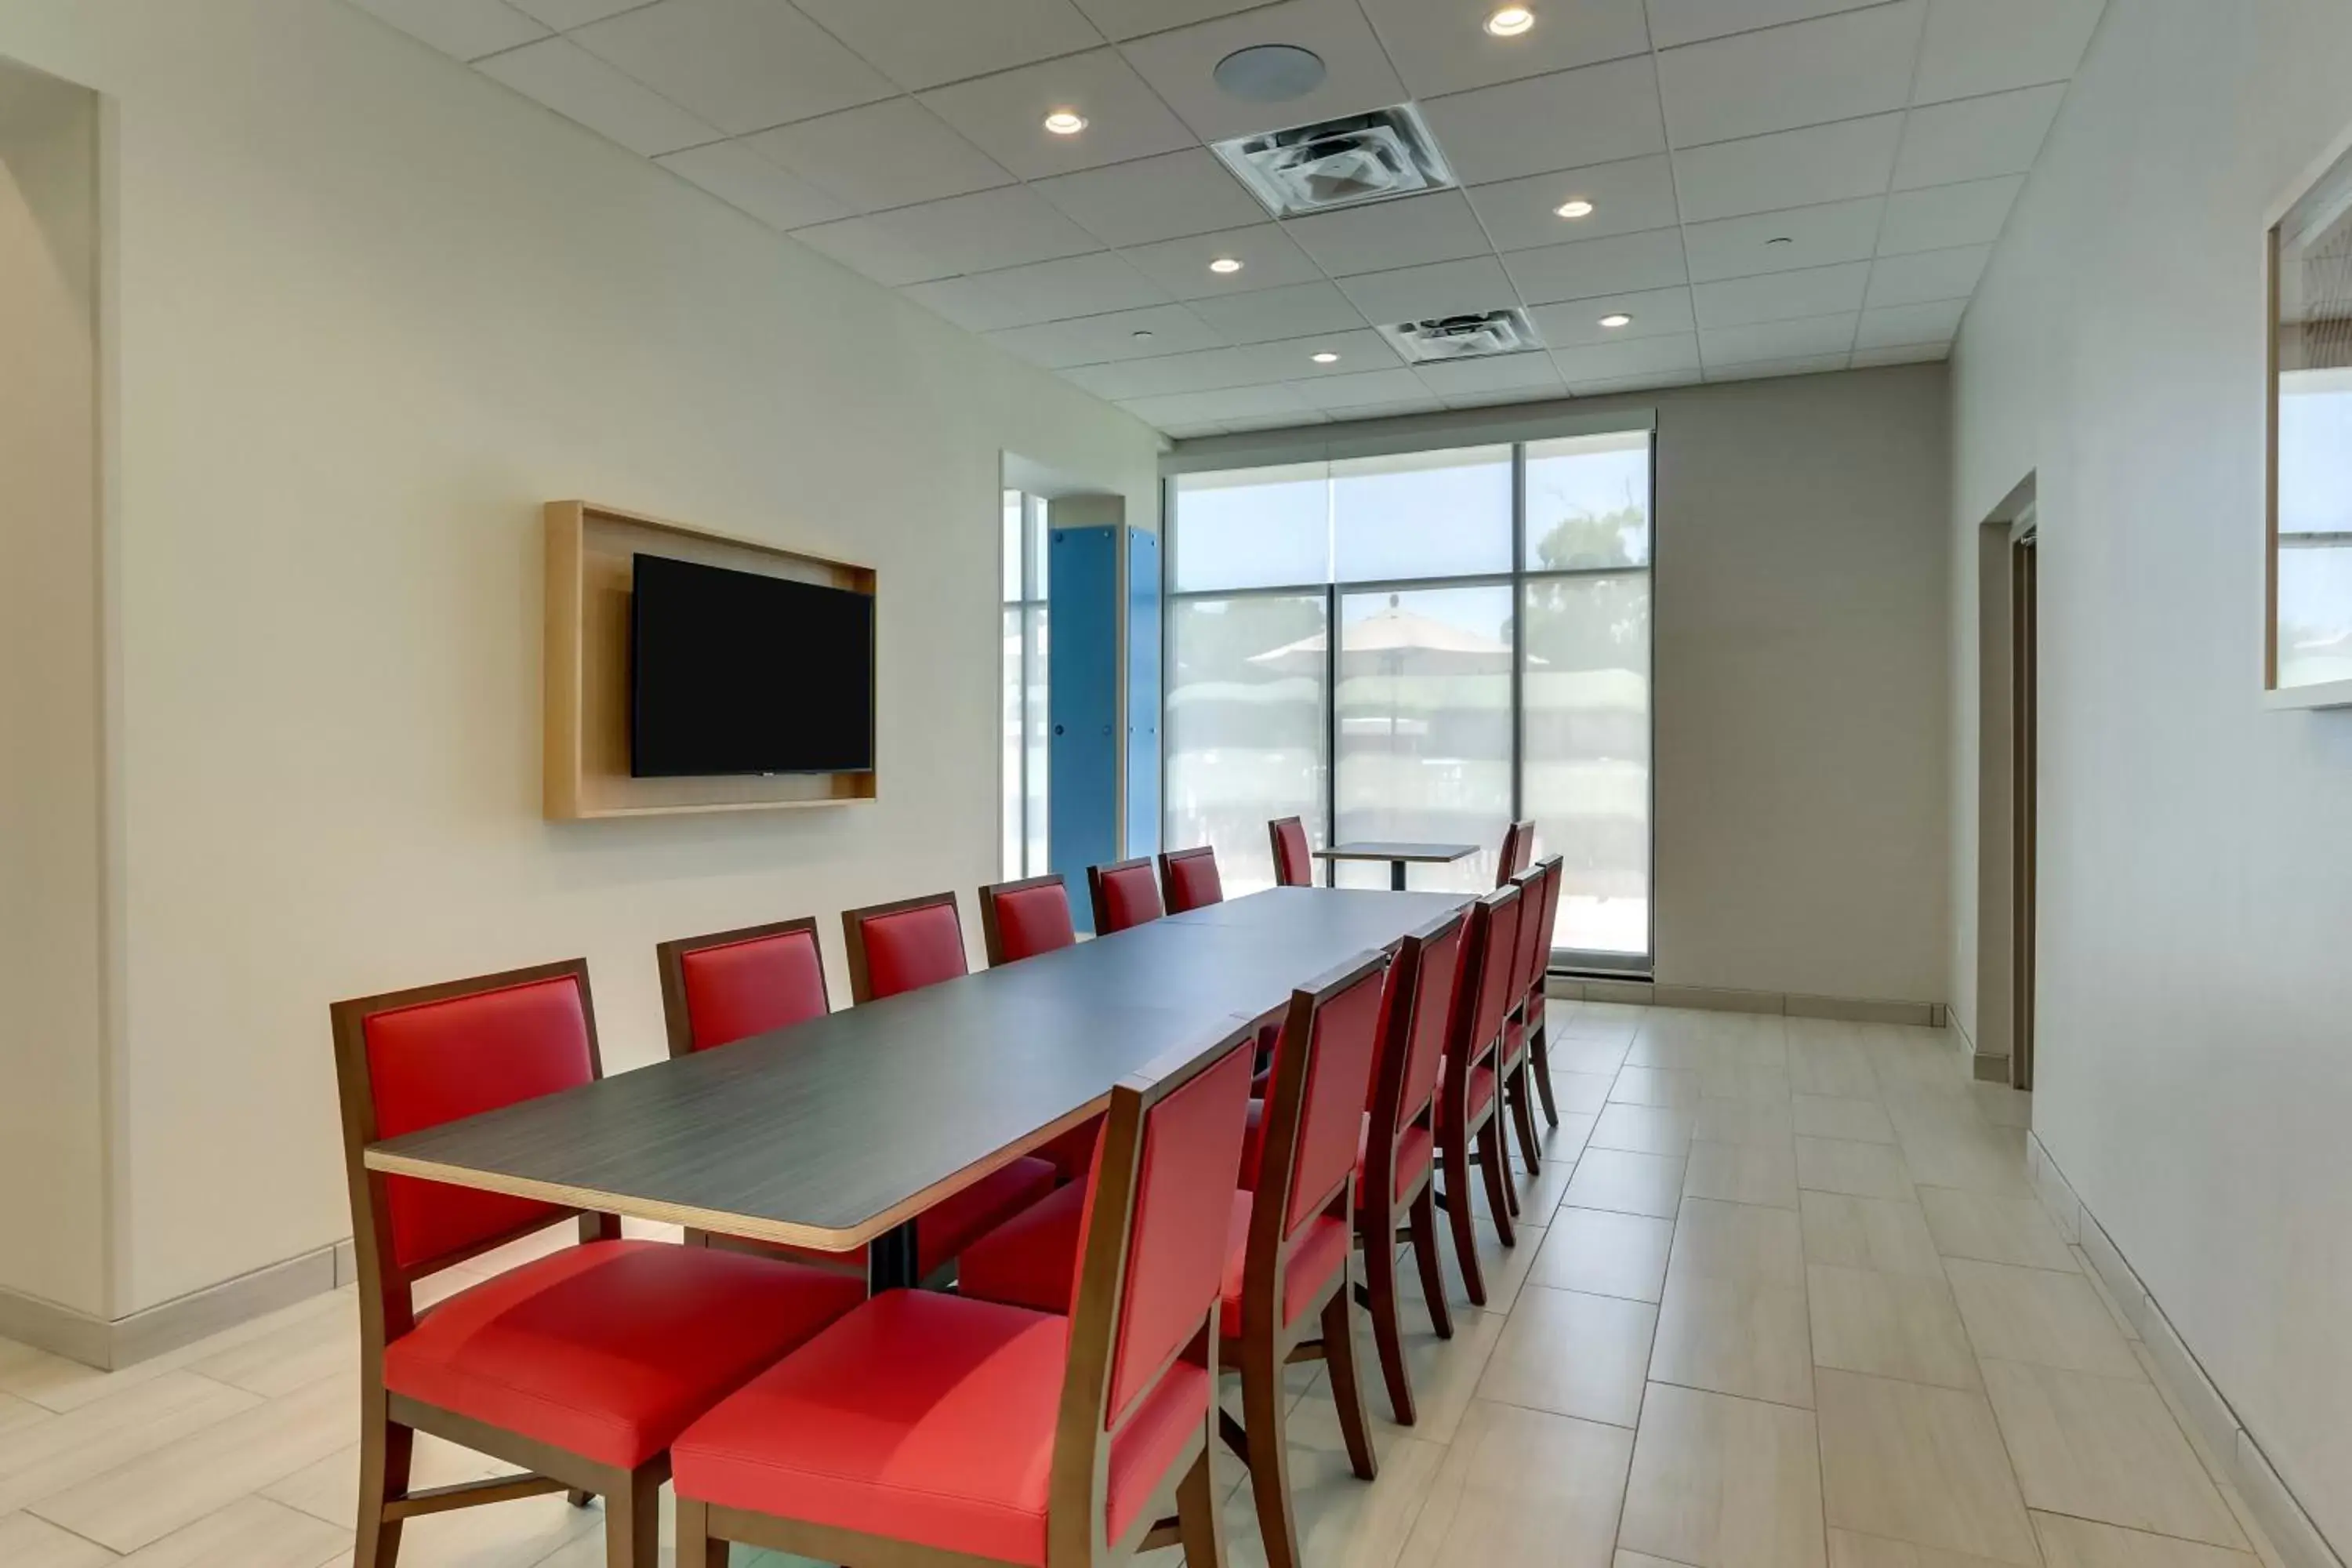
829	1134
1384	849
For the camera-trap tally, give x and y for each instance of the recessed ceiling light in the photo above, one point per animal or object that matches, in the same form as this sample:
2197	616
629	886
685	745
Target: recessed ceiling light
1510	21
1577	208
1066	122
1326	357
1142	331
1781	239
1617	319
1226	264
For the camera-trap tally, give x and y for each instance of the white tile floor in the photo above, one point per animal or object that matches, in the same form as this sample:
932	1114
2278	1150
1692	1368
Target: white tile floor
1794	1308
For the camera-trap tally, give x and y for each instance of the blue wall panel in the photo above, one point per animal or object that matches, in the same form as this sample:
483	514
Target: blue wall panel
1142	692
1082	706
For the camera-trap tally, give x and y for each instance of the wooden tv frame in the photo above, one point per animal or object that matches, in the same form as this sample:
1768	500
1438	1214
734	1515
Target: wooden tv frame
590	563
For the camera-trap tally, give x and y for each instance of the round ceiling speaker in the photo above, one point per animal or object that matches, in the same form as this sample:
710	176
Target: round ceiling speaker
1271	73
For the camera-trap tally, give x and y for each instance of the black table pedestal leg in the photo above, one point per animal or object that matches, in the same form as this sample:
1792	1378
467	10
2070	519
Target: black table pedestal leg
891	1260
1396	875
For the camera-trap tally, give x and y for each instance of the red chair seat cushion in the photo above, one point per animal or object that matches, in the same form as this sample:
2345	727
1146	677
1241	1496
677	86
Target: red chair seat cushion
926	1418
1414	1152
956	1221
1319	1251
608	1349
1482	1089
1515	1045
1032	1260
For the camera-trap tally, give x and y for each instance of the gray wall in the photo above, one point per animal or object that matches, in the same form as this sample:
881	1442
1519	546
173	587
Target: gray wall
2195	1023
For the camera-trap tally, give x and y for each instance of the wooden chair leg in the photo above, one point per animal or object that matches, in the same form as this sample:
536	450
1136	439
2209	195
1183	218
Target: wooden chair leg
633	1522
1269	1454
1523	1118
1424	1221
578	1498
1501	1199
1198	1520
386	1448
1388	1329
1539	1059
1347	1382
696	1548
1456	1149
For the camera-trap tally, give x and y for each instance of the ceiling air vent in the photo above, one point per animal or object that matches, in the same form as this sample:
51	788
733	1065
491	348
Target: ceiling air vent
1340	162
1463	337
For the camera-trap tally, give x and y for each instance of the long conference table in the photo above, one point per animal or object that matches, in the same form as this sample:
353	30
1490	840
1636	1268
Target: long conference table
837	1133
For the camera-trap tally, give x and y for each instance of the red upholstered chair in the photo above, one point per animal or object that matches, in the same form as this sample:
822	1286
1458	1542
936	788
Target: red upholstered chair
1398	1173
1124	895
936	1431
1531	1010
1017	920
1293	865
1468	1094
581	1365
718	988
903	946
1519	845
1189	880
1528	951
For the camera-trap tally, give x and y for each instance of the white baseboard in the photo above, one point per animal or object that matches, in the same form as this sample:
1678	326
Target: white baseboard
168	1325
2211	1421
1725	999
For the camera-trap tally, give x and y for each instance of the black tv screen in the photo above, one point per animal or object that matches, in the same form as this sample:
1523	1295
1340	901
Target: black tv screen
731	672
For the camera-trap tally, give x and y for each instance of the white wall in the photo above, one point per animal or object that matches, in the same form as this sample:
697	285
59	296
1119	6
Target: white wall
372	311
2196	875
52	1122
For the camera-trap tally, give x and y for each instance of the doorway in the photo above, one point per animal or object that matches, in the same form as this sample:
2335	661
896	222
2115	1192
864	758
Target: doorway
2008	758
2024	665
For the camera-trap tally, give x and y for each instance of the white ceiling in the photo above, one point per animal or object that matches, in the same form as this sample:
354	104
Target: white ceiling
1778	186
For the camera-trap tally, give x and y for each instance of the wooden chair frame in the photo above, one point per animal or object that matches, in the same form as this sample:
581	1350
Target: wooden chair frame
1323	1328
1100	906
389	1422
1078	1506
1274	842
1461	1132
853	933
1377	1226
1527	965
669	958
1168	861
992	935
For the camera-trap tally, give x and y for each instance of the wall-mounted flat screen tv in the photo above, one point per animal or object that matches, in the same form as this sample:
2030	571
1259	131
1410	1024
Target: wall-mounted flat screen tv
732	672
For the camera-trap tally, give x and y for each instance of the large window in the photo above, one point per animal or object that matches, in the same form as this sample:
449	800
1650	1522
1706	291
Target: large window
1022	751
1491	661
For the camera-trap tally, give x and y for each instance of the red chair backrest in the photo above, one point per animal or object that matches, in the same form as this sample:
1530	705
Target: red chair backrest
1339	1024
1504	856
1022	919
1530	948
1293	866
1179	1229
1495	966
1437	967
1524	849
1555	872
428	1057
1125	895
903	946
1190	879
732	986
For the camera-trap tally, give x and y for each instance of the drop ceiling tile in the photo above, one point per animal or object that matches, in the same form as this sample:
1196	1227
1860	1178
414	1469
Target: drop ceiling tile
1783	241
742	65
1268	260
922	43
1444	288
1409	232
1987	46
1180	66
462	29
1596	114
1782	296
1529	375
1976	138
1585	269
1803	338
1655	312
574	83
1673	22
1788	169
893	154
1763	369
1948	215
1131	18
1635	357
1269	315
1102	340
1908	354
1631	383
1926	275
1005	114
1443	46
1935	324
864	246
1092	285
1243	426
563	14
1628	195
988	229
742	178
1163	374
1164	197
1290	358
1371	388
1833	67
1224	405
